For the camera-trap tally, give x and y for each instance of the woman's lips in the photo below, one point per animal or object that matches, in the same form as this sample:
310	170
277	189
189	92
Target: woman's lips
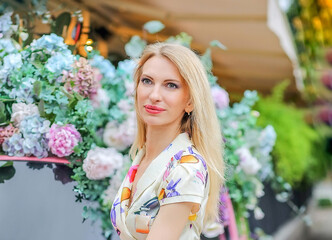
153	109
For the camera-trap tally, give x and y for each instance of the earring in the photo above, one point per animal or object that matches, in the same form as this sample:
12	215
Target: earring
189	113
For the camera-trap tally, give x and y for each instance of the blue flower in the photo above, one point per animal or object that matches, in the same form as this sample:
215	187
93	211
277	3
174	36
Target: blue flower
6	46
126	68
23	93
105	66
50	43
13	146
5	23
12	61
267	140
59	62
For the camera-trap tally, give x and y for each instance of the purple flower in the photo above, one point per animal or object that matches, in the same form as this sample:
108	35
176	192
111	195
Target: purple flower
220	97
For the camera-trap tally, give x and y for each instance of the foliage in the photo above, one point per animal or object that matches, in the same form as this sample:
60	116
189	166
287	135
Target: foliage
299	151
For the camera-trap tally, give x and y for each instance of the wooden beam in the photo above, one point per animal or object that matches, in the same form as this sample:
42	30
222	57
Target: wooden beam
155	12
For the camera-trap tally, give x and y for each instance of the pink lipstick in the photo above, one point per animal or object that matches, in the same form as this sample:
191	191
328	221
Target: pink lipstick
153	109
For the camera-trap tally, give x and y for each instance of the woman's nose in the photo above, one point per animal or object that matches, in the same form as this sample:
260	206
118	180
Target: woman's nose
155	94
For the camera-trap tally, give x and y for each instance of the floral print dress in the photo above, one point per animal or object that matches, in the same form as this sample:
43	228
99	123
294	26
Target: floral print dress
178	174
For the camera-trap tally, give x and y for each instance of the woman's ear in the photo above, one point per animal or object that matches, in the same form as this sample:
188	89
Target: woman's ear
190	107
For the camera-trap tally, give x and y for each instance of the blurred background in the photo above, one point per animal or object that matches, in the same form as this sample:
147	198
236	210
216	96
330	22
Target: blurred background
270	67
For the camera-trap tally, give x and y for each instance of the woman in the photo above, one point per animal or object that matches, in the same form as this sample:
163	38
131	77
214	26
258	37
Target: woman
172	187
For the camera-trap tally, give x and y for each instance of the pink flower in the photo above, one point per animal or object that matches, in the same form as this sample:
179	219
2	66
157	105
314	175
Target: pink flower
63	139
7	132
220	97
101	162
83	79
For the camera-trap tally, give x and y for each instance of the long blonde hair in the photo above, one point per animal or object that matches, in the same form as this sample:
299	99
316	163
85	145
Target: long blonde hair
202	125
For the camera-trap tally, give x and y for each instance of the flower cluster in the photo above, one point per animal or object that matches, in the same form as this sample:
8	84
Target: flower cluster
83	79
22	110
63	139
31	140
7	132
102	162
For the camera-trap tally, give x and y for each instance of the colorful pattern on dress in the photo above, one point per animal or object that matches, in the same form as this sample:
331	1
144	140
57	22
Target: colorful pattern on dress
190	149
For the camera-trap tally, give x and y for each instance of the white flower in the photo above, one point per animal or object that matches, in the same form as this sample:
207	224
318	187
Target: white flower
101	162
130	88
259	191
100	98
248	163
120	136
125	106
213	229
258	213
22	110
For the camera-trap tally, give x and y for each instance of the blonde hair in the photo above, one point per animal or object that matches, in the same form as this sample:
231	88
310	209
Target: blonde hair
202	125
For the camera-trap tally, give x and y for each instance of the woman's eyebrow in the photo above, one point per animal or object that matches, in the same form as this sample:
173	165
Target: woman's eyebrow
146	75
166	80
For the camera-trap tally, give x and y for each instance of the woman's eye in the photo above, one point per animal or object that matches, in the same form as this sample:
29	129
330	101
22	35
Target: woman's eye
172	85
146	81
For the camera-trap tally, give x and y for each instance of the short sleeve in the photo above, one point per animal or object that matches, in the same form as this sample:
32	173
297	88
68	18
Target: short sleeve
185	182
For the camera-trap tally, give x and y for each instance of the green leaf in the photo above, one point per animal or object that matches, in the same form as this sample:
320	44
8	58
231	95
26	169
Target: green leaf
41	108
216	43
2	112
153	26
182	38
7	164
134	48
37	85
206	60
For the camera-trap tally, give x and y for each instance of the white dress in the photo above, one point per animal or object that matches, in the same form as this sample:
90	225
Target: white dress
178	174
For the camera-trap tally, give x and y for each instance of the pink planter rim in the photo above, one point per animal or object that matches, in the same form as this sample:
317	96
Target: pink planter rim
35	159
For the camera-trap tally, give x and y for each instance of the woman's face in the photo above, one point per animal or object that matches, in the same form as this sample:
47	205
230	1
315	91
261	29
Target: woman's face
162	95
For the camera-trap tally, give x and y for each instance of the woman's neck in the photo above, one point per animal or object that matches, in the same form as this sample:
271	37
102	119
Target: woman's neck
157	139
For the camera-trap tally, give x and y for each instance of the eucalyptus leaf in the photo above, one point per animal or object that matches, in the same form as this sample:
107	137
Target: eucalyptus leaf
216	43
182	38
134	48
153	26
206	60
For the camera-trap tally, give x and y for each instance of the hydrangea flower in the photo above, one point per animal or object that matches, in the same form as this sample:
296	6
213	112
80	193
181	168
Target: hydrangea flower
22	110
120	136
267	140
101	162
59	62
12	61
7	47
34	125
101	98
220	97
31	140
84	79
5	24
248	163
49	44
126	68
105	66
13	146
63	139
23	93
